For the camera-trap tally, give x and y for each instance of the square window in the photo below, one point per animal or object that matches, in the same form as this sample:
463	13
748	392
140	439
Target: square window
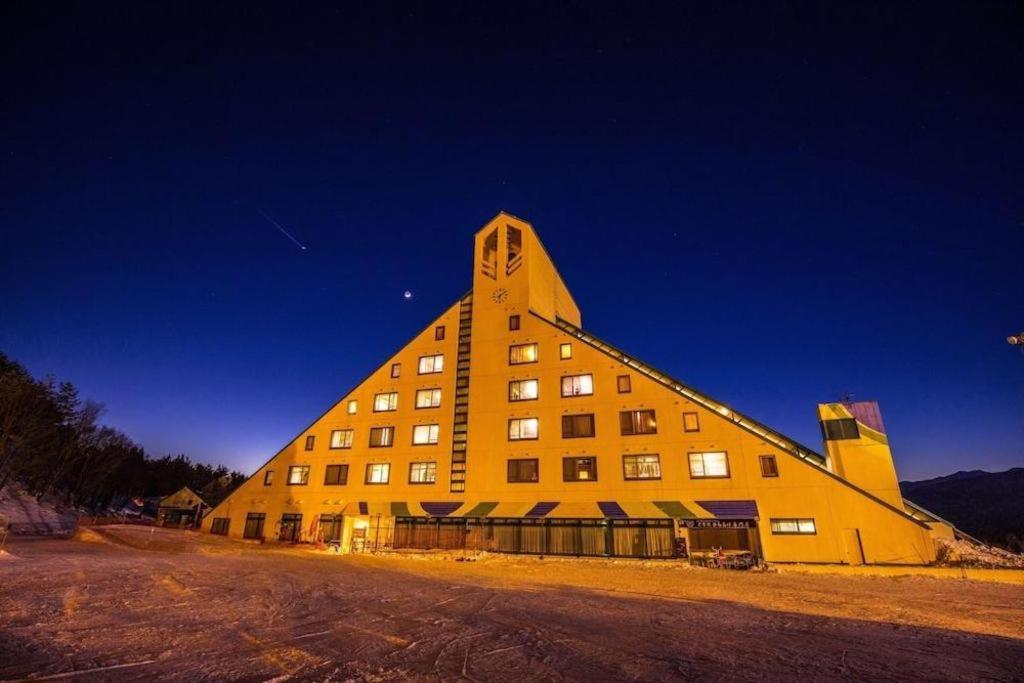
428	398
632	422
396	370
513	323
636	467
713	465
336	475
341	438
378	473
439	333
565	351
769	468
624	384
522	390
577	385
298	475
523	471
523	429
577	426
425	434
383	403
422	472
431	365
382	437
310	441
353	405
522	353
579	469
268	477
691	422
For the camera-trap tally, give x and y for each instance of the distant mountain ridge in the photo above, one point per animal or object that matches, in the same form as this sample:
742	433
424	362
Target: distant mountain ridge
987	505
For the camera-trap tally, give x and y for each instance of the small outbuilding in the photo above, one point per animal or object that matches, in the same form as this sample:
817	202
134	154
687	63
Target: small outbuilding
183	508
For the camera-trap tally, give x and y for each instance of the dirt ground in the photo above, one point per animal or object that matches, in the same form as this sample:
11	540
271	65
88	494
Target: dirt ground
128	603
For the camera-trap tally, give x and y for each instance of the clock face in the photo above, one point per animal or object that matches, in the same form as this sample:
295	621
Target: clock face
499	295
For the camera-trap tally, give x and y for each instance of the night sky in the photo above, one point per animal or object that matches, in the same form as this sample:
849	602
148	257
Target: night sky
778	205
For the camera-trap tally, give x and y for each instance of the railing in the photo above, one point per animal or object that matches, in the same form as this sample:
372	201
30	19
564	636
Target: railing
724	411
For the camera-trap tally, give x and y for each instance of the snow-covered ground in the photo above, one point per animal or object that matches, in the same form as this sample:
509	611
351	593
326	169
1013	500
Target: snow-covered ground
130	603
26	515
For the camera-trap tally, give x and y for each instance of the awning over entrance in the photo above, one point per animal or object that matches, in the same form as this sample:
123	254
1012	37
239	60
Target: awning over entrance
605	509
730	509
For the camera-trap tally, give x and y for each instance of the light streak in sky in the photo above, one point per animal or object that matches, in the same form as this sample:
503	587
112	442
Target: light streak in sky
284	232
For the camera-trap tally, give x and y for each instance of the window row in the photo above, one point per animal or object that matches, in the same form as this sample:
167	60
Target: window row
386	402
380	437
376	473
518	354
426	365
708	465
631	423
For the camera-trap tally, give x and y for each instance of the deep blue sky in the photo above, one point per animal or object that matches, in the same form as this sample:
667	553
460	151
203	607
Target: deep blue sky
779	205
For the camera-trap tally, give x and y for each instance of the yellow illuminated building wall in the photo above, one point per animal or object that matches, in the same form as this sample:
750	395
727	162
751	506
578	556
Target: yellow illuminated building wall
505	409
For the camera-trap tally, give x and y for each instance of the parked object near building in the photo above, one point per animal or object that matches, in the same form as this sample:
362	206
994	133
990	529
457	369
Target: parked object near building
183	508
505	426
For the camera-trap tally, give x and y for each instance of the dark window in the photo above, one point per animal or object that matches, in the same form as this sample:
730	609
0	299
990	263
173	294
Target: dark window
382	437
647	466
254	525
336	475
579	469
513	322
637	422
396	369
523	470
691	422
310	440
268	477
298	475
439	333
220	526
576	426
836	430
769	468
624	384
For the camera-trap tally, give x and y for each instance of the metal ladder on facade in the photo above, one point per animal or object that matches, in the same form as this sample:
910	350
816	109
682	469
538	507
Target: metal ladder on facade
460	428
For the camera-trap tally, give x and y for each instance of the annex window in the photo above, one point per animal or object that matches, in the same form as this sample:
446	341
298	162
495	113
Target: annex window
310	442
382	437
523	429
336	475
513	322
522	353
254	525
383	403
769	468
353	406
641	467
623	384
341	438
691	422
489	255
836	430
268	477
712	465
396	370
576	426
522	390
793	526
298	475
425	434
428	398
564	351
378	472
577	385
422	472
633	422
430	365
220	526
439	333
579	469
523	470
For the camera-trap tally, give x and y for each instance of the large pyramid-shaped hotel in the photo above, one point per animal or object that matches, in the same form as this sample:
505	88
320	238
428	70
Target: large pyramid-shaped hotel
505	426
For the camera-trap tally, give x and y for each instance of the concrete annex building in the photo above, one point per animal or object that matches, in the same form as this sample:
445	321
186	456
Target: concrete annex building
504	425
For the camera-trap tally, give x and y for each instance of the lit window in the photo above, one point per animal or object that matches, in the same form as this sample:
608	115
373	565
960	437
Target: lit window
422	472
396	369
633	422
382	437
513	323
577	385
691	422
378	473
341	438
383	403
353	406
793	526
298	475
522	353
268	477
523	470
336	475
579	469
709	465
576	426
430	365
565	351
425	434
310	441
641	467
522	390
439	333
428	398
769	468
522	429
623	384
